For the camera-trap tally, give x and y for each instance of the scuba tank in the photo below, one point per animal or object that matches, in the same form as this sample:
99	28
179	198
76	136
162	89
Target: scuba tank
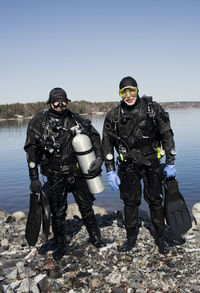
82	146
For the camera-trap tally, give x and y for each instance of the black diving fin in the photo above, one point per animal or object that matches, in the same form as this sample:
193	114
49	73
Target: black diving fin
176	211
46	213
33	222
39	212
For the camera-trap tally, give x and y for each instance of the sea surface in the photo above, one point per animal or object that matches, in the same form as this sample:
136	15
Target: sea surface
14	180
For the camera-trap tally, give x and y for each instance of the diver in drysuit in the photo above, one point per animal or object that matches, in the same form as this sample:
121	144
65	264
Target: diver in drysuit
49	145
136	129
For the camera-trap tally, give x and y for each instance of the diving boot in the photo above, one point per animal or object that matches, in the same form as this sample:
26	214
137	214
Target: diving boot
59	252
97	241
163	246
93	231
128	245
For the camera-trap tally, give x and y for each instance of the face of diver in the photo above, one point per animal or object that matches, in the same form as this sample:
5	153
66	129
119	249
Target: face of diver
129	95
59	105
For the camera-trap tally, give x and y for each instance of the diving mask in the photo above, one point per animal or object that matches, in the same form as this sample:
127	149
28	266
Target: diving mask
131	90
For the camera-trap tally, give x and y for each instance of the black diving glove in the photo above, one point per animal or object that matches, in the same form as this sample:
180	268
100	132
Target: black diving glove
35	186
95	167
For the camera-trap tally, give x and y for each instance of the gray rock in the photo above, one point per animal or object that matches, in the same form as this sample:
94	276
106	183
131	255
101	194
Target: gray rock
10	273
142	290
5	243
74	211
114	278
55	286
8	290
28	285
43	283
117	290
9	219
20	267
165	288
25	272
14	284
18	216
3	216
95	283
196	213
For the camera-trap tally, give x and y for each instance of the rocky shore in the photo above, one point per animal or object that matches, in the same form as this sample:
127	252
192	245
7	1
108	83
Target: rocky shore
87	269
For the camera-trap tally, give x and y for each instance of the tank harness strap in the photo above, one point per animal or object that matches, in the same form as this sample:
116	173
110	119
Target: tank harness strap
88	176
85	152
150	109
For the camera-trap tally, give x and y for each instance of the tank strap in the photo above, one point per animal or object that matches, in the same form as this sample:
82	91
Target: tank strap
150	109
89	176
85	152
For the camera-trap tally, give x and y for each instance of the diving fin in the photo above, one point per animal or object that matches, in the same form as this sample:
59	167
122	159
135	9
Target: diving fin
176	211
160	171
34	219
46	213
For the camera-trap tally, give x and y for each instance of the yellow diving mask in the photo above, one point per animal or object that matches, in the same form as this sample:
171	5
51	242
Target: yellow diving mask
131	90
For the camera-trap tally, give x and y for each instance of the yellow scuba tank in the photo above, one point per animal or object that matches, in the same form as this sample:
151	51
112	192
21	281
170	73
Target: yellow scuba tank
85	154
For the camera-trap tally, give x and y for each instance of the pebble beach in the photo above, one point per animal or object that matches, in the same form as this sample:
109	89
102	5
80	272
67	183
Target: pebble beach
86	269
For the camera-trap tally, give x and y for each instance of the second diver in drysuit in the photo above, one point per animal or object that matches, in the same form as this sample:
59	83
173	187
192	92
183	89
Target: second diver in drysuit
49	145
136	128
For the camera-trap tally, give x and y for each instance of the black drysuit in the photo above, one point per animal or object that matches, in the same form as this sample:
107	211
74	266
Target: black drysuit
135	132
49	145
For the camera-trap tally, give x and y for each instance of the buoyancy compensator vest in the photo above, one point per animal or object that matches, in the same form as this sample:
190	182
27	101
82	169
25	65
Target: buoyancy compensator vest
135	144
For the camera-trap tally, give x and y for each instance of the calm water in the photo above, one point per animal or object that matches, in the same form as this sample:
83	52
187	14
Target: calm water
14	180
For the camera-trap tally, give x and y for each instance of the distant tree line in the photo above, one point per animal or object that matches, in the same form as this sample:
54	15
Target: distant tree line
180	105
19	110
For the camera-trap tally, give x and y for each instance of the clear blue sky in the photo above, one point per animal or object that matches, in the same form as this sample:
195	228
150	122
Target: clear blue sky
87	46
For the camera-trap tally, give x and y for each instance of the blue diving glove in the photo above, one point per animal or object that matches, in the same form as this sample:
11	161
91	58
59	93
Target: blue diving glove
169	171
113	180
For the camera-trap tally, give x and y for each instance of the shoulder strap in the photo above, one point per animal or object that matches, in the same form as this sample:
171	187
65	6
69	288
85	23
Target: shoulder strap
150	108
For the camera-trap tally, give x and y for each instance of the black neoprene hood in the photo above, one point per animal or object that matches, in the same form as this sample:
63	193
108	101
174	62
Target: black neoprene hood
127	81
57	93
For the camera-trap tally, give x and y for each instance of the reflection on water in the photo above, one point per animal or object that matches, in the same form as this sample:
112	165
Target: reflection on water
13	123
14	180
